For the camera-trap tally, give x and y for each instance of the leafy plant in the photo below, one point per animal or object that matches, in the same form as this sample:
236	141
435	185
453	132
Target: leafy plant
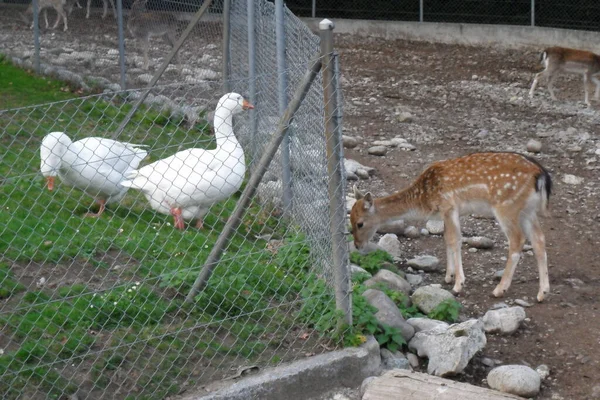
447	310
8	285
390	337
371	262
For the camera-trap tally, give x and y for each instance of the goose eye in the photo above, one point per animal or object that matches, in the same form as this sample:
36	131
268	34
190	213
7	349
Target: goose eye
359	225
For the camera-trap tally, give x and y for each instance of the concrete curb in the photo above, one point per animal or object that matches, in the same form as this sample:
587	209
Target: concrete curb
510	36
305	379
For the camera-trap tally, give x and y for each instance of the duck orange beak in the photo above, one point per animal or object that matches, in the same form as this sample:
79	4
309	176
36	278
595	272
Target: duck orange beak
50	182
246	105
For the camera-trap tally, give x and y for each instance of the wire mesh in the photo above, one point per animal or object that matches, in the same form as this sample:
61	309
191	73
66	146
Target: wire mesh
580	14
92	297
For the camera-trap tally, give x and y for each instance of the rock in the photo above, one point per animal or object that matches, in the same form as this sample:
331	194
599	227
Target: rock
414	280
424	232
388	313
479	242
572	179
351	166
413	360
406	146
543	371
424	324
515	379
498	274
377	150
426	298
394	360
144	78
412	232
397	141
395	227
522	303
435	227
362	173
449	349
426	263
269	193
389	242
349	142
505	320
356	270
365	384
534	146
405	117
390	280
386	143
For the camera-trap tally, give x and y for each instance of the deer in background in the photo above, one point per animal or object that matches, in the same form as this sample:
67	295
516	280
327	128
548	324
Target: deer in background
58	5
561	59
512	187
89	3
144	24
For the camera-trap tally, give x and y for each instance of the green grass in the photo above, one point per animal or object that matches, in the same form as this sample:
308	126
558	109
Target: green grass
249	296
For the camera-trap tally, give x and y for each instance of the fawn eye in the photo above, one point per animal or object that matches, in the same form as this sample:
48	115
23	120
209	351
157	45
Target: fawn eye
359	225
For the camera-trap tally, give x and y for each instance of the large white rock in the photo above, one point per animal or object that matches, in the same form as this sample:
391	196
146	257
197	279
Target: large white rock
425	324
426	298
504	320
435	227
515	379
449	349
391	281
426	263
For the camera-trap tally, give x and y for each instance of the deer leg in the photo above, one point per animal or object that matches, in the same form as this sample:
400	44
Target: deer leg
146	49
516	240
87	14
534	233
536	79
551	86
46	18
171	38
452	237
597	83
585	89
112	3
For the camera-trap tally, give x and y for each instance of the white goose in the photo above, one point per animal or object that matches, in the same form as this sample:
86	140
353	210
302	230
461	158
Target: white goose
189	182
94	165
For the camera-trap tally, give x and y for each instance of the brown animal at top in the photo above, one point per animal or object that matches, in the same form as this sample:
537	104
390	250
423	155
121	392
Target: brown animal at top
512	187
562	59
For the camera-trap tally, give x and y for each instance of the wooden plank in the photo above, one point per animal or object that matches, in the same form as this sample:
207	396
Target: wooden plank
402	384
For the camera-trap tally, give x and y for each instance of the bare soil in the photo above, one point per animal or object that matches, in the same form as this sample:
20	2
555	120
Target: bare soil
456	113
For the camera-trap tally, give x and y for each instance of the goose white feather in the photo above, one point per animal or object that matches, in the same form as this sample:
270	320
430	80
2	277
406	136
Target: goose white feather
189	182
95	165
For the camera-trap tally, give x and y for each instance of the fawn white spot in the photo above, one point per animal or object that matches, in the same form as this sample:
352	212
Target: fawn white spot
499	192
514	187
506	185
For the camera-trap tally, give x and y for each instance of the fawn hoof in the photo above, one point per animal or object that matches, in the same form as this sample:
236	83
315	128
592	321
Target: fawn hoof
449	278
541	296
498	292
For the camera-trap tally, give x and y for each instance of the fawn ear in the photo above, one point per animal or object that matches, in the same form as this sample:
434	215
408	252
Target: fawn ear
357	193
368	202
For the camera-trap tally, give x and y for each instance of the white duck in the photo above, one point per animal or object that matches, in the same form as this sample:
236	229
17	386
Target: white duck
94	165
189	182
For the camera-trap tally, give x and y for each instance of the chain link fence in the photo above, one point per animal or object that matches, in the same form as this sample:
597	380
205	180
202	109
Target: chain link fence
581	14
93	298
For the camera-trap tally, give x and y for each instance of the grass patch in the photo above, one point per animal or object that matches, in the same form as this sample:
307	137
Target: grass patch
128	314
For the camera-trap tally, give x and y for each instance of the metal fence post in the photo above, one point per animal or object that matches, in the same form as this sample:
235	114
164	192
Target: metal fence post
267	156
286	179
532	12
314	8
121	43
337	209
421	17
252	73
226	45
36	36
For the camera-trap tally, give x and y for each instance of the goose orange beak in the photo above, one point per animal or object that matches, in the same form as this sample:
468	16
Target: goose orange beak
246	105
50	182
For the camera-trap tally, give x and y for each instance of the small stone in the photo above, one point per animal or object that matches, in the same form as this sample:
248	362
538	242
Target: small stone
426	298
349	142
406	146
395	360
435	227
377	150
472	250
362	174
405	117
543	371
413	359
572	179
424	232
425	263
515	379
534	146
414	280
479	242
522	303
356	270
412	232
390	243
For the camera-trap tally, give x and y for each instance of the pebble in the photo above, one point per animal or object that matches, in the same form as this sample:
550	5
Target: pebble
412	232
522	303
479	242
435	227
572	179
543	371
534	146
349	142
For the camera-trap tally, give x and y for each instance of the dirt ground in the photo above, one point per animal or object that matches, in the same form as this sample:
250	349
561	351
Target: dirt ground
462	100
469	99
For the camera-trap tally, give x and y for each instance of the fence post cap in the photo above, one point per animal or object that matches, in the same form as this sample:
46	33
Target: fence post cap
326	24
